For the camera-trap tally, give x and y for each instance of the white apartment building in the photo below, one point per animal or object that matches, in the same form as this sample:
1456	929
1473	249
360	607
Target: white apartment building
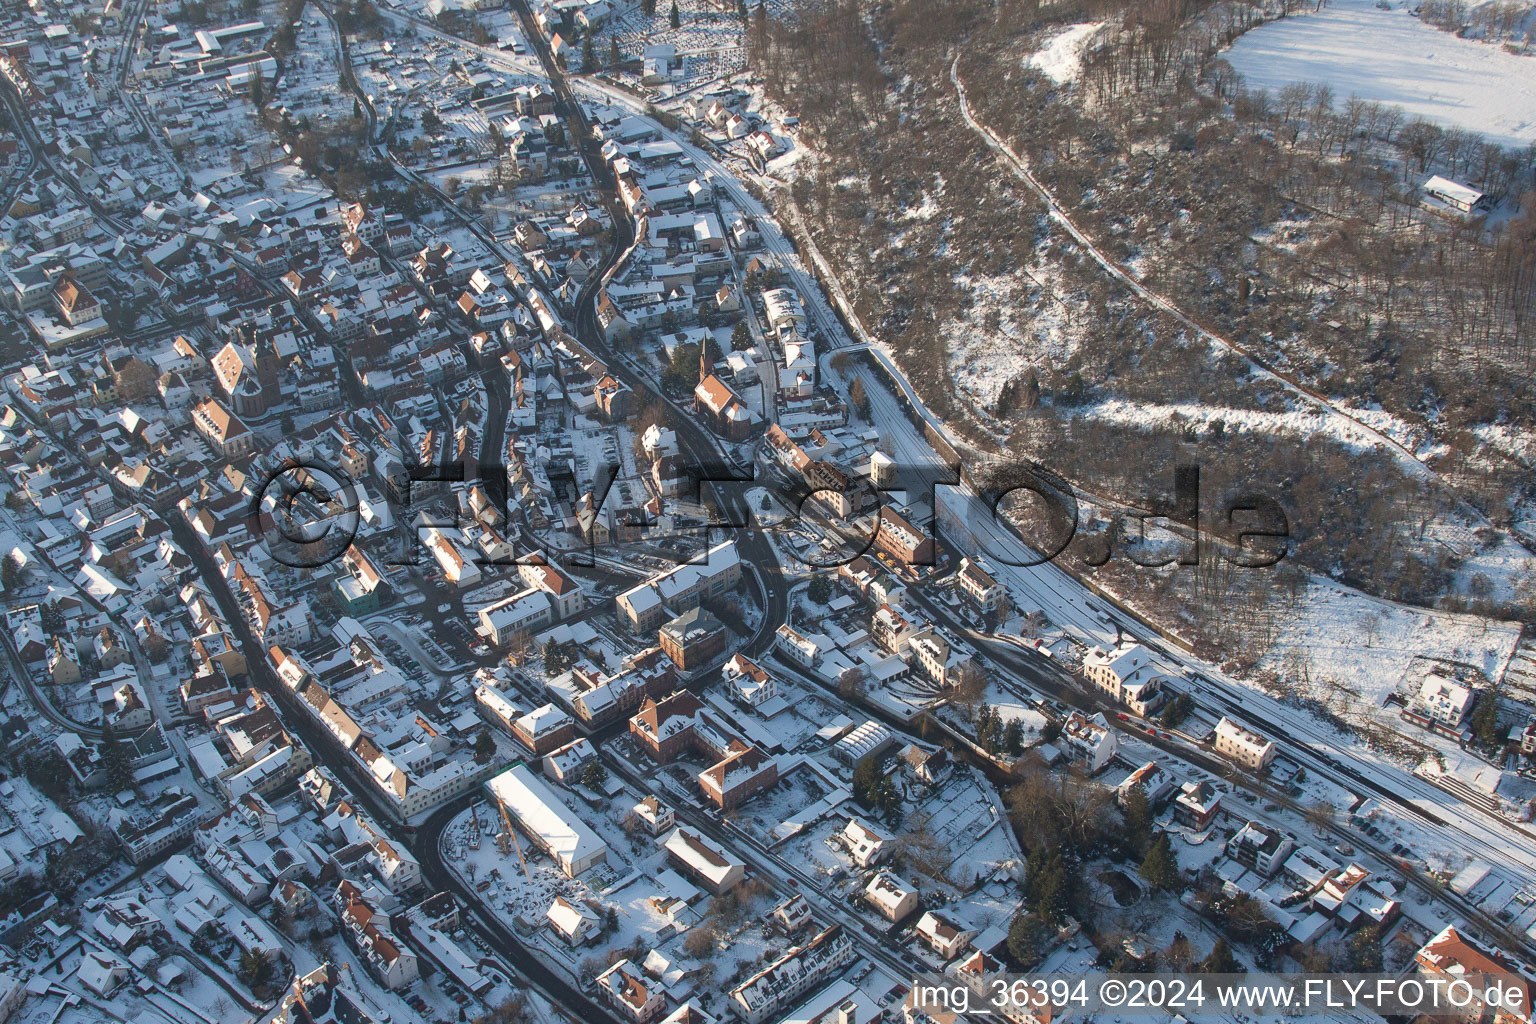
1243	745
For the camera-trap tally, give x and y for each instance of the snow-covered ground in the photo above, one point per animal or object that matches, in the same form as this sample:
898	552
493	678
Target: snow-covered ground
1061	57
1392	57
1348	649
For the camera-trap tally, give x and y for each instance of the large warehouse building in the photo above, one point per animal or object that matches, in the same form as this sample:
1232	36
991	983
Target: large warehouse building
545	819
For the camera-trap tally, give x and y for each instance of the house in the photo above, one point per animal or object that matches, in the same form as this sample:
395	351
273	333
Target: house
751	683
979	973
1154	781
626	988
574	923
864	844
654	816
890	895
1450	955
1090	740
979	586
1243	745
1440	702
943	936
565	764
1458	197
792	915
102	973
1197	805
943	661
703	861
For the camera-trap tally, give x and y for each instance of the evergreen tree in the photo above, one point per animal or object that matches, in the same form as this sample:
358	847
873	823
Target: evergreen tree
594	775
1221	960
1485	719
1160	868
1013	738
1137	813
258	92
874	789
10	574
588	55
114	760
674	19
1027	938
554	658
820	590
1046	887
485	746
741	12
1365	951
615	58
649	7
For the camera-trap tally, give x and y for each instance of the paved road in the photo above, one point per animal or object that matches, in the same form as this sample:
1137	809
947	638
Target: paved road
705	452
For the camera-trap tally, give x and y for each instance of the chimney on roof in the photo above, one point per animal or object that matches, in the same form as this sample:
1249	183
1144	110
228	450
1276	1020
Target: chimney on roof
848	1012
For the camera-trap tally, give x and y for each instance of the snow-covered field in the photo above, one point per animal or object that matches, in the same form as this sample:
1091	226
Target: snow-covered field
1349	649
1392	57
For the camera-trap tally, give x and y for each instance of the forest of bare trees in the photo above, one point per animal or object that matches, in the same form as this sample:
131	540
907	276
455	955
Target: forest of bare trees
1290	223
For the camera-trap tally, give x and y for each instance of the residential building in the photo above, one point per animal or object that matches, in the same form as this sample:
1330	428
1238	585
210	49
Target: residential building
943	936
979	586
896	537
1126	674
544	729
645	607
1243	745
1451	955
1260	847
693	640
1440	702
1090	740
703	861
866	846
574	923
656	817
893	897
1197	805
626	988
802	969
